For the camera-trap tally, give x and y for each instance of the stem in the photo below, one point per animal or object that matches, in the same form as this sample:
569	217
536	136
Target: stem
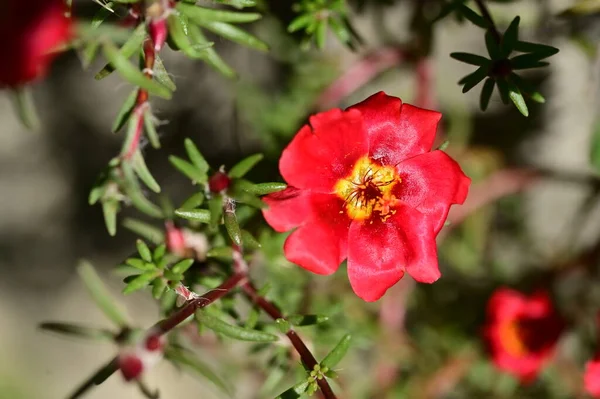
142	96
241	267
305	354
485	13
166	325
163	327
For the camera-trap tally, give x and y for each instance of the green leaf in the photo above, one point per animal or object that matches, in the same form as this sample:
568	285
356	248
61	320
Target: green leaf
177	33
159	252
239	4
295	392
97	378
172	276
182	266
145	230
266	188
517	98
161	74
527	61
527	89
472	59
194	201
321	34
110	208
541	50
235	34
225	253
486	93
233	228
191	171
510	37
300	22
473	16
23	103
215	206
283	325
492	45
141	281
77	331
143	250
503	90
135	194
159	286
131	46
473	79
132	135
307	320
140	264
233	331
199	15
194	364
211	58
125	111
246	198
250	243
197	215
337	353
133	74
100	294
140	168
595	148
150	127
196	157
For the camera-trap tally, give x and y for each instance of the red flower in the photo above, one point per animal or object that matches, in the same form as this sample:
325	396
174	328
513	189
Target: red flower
365	186
522	332
591	378
29	31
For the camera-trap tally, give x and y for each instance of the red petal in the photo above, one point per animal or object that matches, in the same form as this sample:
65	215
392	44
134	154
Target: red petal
320	244
431	183
397	131
591	378
376	258
418	239
317	158
287	209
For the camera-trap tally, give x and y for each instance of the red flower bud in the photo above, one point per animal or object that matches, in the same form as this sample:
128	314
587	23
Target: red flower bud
154	343
158	32
219	182
29	32
131	366
175	239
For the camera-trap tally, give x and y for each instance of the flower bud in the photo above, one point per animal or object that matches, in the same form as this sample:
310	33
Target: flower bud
175	239
158	32
131	366
219	182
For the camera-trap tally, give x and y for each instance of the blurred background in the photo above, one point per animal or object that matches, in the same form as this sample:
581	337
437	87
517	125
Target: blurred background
533	207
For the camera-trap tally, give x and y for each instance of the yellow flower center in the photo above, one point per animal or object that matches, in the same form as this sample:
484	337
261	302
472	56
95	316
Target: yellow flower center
368	189
510	336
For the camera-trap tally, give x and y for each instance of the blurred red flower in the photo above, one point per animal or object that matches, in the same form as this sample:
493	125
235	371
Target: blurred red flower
591	378
522	332
29	31
365	185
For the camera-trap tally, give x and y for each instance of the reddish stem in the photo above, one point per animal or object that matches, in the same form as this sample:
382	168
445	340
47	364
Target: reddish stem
359	74
305	354
142	97
166	325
